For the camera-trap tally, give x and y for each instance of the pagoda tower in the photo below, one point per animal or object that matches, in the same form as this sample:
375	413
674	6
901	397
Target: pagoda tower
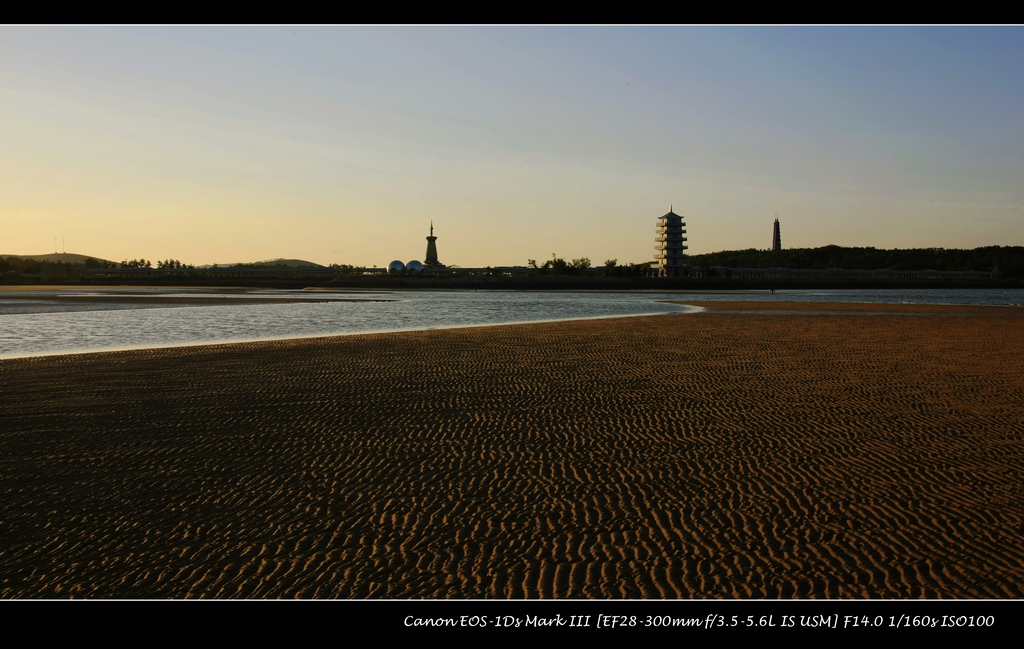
431	259
669	249
776	236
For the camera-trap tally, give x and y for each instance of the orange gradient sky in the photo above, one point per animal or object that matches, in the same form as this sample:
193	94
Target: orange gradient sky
341	144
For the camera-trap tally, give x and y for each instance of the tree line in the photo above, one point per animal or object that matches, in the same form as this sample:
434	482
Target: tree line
1009	260
559	266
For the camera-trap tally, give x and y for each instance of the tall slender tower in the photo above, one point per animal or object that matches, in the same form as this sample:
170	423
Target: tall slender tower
431	259
776	236
669	249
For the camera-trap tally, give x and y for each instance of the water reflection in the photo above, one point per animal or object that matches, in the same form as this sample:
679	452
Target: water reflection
59	321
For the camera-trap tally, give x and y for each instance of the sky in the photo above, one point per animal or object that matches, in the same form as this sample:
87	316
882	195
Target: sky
341	144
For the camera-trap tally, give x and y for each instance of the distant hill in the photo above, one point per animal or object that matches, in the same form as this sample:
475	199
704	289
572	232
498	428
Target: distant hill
72	258
59	267
61	257
269	263
1008	259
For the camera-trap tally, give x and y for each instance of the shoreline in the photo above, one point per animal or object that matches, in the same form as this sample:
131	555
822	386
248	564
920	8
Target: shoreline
300	280
698	306
855	308
290	338
713	455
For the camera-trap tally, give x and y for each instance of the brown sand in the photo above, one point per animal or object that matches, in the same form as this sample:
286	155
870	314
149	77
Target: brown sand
709	455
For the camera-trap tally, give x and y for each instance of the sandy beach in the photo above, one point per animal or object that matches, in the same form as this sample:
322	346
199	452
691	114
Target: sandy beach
755	450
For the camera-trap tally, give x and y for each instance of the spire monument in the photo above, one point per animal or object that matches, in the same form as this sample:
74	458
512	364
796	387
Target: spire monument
431	259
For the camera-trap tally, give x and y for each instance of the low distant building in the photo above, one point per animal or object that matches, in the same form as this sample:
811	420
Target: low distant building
878	274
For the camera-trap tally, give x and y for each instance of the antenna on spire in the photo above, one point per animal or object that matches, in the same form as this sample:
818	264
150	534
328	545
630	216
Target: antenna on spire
431	227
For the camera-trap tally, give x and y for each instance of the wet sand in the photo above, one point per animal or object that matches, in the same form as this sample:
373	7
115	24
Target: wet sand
216	296
743	452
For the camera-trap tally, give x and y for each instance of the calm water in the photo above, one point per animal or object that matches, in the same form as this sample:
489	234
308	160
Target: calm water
39	323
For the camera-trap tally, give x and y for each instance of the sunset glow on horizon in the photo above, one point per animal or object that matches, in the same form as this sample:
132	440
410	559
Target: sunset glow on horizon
341	144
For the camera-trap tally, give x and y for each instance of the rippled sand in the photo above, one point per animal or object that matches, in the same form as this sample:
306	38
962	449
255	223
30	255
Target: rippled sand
752	454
